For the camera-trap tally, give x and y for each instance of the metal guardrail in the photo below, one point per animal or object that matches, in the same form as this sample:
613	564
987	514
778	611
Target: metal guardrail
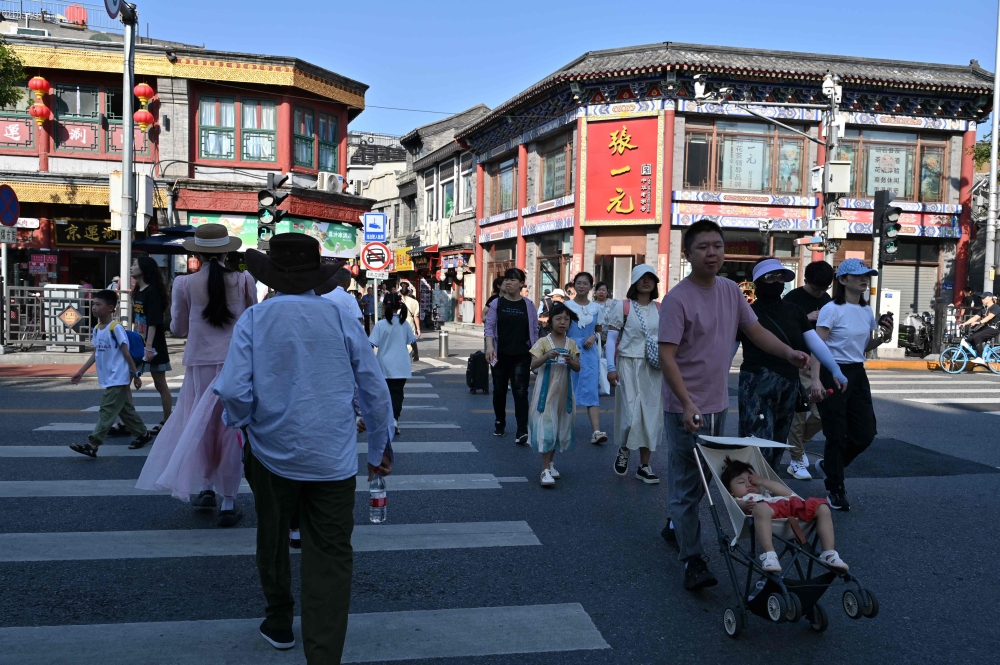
50	317
56	12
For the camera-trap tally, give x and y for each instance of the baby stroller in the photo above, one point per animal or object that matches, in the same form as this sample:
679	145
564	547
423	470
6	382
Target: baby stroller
795	591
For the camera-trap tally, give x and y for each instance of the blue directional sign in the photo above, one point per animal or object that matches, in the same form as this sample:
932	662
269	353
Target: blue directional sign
10	209
375	226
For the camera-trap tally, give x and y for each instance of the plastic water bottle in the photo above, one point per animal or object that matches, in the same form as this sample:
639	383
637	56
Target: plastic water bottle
376	494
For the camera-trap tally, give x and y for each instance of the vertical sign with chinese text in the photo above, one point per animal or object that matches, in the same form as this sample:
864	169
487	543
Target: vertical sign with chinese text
622	171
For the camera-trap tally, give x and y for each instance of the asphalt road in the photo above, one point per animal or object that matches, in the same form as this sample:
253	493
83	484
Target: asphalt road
576	574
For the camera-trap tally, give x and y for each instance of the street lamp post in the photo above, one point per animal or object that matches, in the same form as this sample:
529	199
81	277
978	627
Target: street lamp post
989	264
129	17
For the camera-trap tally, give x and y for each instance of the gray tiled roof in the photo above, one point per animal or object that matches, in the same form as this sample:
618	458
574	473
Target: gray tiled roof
651	59
457	121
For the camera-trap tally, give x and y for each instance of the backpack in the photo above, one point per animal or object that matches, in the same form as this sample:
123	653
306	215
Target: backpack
136	345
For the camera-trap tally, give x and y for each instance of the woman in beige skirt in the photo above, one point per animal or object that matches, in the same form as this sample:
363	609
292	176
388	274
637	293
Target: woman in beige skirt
638	411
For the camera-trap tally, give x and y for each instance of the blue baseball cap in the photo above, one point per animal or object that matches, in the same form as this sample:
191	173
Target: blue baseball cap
854	267
987	294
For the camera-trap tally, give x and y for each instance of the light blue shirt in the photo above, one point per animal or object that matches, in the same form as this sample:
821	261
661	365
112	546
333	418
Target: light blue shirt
294	364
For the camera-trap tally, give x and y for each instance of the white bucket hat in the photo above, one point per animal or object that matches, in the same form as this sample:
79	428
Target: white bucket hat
643	269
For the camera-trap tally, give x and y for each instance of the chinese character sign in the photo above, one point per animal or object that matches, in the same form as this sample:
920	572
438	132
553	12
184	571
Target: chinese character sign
891	168
743	163
622	174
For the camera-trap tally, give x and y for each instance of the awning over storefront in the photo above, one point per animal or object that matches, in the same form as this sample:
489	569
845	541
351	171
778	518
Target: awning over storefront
425	249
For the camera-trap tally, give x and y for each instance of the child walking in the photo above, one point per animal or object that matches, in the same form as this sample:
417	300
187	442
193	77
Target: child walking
551	416
115	368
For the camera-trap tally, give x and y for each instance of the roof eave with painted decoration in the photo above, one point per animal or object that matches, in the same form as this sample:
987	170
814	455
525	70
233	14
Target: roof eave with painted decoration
192	63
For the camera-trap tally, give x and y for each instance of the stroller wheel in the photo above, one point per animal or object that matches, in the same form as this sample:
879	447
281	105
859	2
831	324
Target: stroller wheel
819	621
794	609
852	606
734	621
777	609
870	608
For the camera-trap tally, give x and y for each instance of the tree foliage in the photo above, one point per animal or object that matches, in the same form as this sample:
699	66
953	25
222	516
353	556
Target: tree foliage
981	151
12	77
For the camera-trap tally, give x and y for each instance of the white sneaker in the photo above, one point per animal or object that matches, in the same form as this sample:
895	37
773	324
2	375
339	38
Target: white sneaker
552	470
832	559
978	361
547	479
769	562
799	470
598	437
805	460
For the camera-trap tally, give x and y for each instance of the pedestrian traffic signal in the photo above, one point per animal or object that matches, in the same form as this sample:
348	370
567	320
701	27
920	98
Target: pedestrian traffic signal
885	222
268	214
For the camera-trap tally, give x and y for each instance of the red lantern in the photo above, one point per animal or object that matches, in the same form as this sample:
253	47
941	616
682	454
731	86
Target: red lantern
144	92
40	86
143	118
40	113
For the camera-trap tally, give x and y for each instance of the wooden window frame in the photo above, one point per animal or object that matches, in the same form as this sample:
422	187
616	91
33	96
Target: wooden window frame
497	171
300	138
859	173
335	120
567	150
239	110
232	130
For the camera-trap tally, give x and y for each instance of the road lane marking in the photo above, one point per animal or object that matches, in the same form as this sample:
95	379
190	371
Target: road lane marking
955	400
427	425
13	489
112	450
944	382
103	545
466	632
920	391
72	427
40	410
421	396
140	409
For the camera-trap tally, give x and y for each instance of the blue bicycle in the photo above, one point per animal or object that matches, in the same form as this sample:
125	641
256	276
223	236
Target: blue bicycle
955	359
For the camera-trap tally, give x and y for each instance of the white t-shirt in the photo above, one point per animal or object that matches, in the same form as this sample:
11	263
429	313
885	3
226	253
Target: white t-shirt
850	329
631	343
391	340
112	370
346	301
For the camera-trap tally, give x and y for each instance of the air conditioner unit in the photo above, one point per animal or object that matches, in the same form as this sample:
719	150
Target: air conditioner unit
330	182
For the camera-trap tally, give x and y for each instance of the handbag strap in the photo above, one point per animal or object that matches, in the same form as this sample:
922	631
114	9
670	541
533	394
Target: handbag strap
787	341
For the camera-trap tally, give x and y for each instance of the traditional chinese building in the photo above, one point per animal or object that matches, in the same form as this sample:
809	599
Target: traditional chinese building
602	164
218	122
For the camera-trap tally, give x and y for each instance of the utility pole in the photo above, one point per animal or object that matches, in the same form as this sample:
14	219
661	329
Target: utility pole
129	17
989	264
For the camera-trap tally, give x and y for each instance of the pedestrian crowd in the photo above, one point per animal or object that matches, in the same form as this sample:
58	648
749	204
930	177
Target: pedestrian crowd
277	390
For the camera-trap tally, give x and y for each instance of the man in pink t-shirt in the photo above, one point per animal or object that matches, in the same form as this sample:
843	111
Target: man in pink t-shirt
699	319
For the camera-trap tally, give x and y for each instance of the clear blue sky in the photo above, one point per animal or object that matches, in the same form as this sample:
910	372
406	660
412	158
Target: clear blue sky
448	56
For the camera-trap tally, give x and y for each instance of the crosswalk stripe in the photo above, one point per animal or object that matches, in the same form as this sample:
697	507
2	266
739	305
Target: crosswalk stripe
956	400
416	634
140	409
418	385
117	450
150	395
421	407
421	396
426	425
71	427
94	545
10	489
434	362
944	382
920	391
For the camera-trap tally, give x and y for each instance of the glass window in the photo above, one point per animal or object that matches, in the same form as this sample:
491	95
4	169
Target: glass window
77	101
743	156
698	146
429	195
327	142
114	103
304	130
744	162
217	121
259	130
468	183
448	199
504	194
885	160
554	174
26	99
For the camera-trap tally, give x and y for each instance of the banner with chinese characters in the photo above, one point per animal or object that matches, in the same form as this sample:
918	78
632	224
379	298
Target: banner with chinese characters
623	159
335	239
403	261
85	233
16	132
889	167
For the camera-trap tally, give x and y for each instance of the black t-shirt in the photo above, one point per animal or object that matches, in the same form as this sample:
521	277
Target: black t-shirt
993	309
491	299
807	303
512	326
147	310
788	323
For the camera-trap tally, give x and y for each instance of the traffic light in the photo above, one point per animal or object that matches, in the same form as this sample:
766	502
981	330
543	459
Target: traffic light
885	222
268	214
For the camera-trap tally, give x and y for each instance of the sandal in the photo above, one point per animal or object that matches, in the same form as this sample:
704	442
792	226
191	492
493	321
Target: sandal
140	441
156	429
118	430
85	449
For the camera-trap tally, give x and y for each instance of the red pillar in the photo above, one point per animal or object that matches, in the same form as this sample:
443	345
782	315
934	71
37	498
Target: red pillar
342	147
579	237
820	161
965	220
666	199
522	201
480	254
285	135
44	138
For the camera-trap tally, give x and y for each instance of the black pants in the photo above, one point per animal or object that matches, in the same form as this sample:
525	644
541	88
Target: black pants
396	394
848	422
516	371
978	338
368	323
326	513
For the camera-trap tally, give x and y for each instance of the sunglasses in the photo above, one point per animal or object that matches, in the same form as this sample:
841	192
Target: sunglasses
772	277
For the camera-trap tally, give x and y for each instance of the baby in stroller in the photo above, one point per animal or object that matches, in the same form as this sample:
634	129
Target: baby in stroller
766	500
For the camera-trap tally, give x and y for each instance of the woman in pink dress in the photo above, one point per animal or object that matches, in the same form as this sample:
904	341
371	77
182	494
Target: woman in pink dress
195	452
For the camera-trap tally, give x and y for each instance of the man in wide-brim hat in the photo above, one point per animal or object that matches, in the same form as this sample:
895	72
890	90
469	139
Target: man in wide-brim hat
294	365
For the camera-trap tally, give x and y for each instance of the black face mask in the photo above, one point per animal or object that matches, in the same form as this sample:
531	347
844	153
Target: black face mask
770	290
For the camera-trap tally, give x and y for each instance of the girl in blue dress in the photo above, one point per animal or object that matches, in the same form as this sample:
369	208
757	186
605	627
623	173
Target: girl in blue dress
586	332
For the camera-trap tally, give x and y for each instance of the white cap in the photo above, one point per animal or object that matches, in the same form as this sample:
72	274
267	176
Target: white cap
558	292
643	269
